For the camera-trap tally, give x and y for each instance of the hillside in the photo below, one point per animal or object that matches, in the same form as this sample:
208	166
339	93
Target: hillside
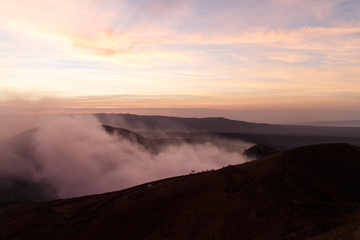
345	123
139	123
304	192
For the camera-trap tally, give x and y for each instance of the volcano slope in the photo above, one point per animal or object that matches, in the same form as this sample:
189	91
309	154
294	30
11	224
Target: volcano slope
307	192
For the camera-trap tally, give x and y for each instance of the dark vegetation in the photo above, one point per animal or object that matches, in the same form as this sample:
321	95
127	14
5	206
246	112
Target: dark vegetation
300	193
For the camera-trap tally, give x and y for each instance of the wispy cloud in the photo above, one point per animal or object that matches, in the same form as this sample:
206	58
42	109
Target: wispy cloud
235	52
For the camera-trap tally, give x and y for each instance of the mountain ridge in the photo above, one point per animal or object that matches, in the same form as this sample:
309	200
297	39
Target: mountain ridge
139	123
295	194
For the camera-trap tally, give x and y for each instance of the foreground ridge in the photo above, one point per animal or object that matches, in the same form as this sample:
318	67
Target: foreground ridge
304	192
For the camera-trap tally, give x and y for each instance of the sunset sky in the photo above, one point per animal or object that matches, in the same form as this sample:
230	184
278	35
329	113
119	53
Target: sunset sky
183	57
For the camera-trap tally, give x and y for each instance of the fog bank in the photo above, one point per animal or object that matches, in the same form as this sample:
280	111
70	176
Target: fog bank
74	156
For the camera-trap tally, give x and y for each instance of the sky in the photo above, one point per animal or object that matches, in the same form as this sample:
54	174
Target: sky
261	60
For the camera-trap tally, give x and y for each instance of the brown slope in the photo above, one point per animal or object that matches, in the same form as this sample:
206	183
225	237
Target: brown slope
290	195
259	151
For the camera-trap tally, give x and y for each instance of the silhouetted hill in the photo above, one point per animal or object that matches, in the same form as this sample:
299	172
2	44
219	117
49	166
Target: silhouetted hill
259	151
127	134
283	141
276	136
346	123
218	124
305	192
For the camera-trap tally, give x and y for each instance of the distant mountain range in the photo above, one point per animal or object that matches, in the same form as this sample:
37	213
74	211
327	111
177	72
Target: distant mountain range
303	193
139	123
347	123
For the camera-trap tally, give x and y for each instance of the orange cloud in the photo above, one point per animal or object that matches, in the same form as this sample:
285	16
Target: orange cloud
145	53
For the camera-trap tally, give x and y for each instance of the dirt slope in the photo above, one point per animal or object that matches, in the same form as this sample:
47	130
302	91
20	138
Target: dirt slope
304	192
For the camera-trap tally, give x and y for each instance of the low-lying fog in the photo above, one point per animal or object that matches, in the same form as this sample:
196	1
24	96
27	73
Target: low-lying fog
68	156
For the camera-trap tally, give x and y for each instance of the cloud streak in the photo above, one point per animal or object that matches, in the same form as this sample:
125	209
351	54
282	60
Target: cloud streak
108	30
312	96
173	53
